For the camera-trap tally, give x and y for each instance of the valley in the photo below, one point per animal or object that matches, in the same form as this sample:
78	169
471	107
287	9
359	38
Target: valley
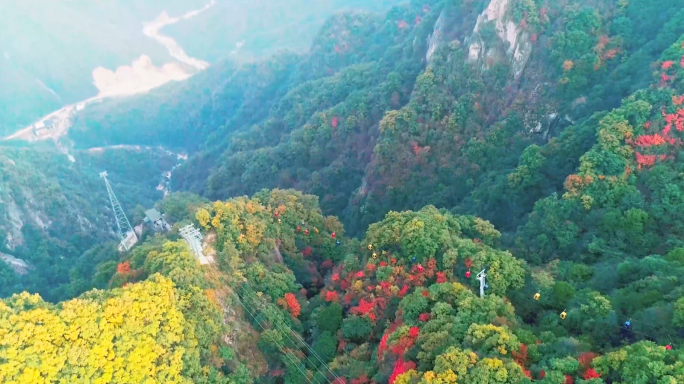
440	192
141	77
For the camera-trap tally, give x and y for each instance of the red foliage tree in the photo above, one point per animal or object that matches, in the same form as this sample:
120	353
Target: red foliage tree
307	252
569	379
414	331
591	374
521	355
124	268
382	347
400	366
332	296
424	316
649	140
526	372
667	64
585	359
441	277
364	307
335	122
645	160
292	304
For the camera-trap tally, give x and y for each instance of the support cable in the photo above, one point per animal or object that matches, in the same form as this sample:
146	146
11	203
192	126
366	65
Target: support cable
308	347
283	324
280	347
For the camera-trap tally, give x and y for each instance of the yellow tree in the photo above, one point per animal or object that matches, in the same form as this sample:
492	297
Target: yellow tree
127	335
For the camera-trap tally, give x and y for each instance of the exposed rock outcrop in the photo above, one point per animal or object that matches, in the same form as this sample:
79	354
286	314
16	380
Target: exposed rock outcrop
437	36
20	266
513	43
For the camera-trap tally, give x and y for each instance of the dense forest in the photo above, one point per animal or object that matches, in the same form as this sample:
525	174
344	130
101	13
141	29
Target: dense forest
54	210
351	196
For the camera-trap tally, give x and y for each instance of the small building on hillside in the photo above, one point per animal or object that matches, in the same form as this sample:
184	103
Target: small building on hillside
156	220
43	128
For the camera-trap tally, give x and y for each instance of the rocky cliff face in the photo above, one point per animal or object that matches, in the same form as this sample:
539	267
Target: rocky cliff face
509	43
19	266
490	36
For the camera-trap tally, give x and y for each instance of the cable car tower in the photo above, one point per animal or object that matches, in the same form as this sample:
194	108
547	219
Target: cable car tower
126	233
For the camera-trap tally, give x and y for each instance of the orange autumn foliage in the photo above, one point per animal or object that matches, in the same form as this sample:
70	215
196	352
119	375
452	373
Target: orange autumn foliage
211	295
649	140
331	296
292	304
568	65
124	268
585	359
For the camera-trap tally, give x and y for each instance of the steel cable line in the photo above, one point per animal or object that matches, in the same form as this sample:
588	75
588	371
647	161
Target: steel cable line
280	347
308	347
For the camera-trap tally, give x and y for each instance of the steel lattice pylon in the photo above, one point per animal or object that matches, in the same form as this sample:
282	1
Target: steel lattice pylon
193	236
122	223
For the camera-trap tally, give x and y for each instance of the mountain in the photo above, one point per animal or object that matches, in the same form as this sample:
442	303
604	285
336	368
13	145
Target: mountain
250	30
52	210
457	191
435	103
290	298
50	49
49	198
79	49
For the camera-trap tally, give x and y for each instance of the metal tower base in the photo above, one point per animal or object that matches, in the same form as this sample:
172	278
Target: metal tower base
193	236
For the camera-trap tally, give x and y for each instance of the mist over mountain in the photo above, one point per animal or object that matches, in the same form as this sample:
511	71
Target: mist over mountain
49	50
343	192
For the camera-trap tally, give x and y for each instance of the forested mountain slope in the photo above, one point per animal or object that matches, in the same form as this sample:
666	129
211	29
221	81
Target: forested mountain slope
49	49
291	299
53	210
539	142
434	103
